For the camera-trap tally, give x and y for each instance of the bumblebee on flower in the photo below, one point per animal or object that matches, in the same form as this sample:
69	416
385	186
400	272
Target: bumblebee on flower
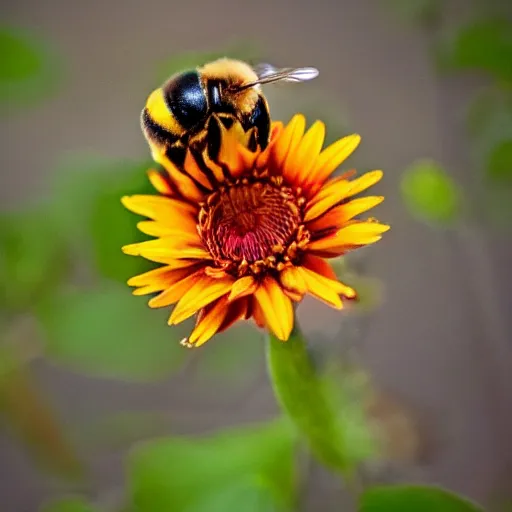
249	233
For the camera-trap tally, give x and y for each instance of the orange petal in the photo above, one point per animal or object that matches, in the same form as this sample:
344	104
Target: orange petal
275	132
332	157
160	183
237	310
234	155
182	242
153	228
185	185
257	313
365	181
303	152
327	275
157	283
242	287
293	295
202	293
339	215
164	209
355	234
276	308
338	189
288	140
209	324
195	172
155	275
176	291
307	154
320	289
328	196
291	279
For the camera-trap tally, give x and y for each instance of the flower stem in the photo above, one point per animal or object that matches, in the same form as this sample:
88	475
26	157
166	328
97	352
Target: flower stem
303	396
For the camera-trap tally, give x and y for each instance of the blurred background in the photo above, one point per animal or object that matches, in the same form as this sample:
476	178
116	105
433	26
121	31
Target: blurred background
100	407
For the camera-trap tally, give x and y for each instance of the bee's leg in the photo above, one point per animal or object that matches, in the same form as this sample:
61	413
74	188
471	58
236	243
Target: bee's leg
260	119
213	138
176	154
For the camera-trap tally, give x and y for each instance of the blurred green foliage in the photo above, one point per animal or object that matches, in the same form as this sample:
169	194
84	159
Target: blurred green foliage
33	258
91	188
414	498
480	43
430	193
123	338
254	463
30	69
483	45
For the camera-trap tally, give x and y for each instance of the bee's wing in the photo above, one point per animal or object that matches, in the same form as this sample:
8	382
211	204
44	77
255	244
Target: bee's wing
268	73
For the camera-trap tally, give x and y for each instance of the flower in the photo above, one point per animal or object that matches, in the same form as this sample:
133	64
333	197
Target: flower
248	234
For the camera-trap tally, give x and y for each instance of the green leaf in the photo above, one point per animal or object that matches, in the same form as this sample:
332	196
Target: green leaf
430	193
306	399
254	496
176	473
483	45
500	162
89	211
108	332
29	70
33	258
71	504
417	498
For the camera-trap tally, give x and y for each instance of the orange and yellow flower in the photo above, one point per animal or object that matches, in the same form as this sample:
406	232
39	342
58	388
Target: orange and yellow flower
248	235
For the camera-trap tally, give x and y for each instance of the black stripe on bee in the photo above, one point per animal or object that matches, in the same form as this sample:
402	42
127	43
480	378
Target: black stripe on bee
186	99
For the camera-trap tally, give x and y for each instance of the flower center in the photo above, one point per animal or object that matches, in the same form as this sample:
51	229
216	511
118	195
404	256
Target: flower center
250	224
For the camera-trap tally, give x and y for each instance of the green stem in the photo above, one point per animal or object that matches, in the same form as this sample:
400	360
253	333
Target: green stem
303	396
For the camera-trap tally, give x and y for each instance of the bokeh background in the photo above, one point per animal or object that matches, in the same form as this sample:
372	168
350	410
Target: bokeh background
97	398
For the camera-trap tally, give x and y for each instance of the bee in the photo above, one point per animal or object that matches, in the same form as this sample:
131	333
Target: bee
186	110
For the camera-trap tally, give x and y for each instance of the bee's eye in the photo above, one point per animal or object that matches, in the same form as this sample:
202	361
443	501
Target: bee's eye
186	99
